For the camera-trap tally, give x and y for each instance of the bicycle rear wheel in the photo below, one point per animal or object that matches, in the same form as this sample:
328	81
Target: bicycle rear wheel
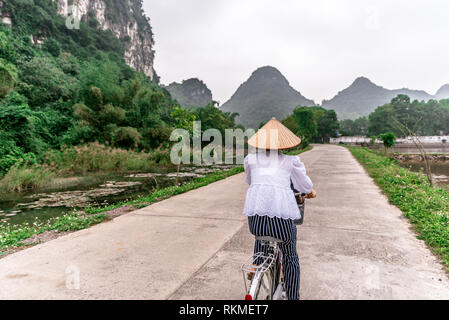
264	288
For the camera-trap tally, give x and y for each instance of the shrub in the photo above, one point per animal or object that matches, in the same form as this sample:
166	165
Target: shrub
52	46
20	178
8	76
389	139
95	157
127	137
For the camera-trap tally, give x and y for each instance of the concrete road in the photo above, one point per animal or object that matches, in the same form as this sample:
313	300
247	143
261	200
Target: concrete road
353	245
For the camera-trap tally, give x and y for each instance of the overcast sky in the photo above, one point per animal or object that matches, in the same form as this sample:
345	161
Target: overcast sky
320	46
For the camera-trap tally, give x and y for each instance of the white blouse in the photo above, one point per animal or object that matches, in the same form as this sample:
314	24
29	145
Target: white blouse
269	177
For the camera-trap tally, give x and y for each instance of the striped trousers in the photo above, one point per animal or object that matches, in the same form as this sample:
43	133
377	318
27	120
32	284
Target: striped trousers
283	229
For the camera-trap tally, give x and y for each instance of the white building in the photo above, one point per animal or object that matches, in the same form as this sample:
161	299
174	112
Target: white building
361	140
351	140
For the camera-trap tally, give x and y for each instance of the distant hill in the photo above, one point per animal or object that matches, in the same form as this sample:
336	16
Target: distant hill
443	92
266	94
363	96
191	92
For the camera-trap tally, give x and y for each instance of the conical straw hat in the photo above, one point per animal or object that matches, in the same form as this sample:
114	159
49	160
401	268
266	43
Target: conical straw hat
274	136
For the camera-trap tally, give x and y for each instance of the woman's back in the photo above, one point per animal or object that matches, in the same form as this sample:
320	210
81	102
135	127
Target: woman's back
270	176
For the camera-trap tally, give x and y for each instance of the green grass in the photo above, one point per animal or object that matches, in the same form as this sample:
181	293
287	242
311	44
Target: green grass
427	208
79	165
298	151
95	157
12	236
23	178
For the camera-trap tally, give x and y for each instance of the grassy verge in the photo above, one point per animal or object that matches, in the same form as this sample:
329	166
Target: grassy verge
298	151
12	236
427	208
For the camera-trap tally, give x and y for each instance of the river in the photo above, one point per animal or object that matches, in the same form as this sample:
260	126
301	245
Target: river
17	208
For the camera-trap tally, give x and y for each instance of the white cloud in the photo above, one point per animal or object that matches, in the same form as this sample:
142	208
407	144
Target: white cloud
321	46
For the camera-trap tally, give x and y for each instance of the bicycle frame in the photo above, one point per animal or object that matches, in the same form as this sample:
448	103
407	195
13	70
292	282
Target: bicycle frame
271	264
269	269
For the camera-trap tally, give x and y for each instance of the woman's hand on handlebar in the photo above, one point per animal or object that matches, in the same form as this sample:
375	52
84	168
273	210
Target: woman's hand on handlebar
311	195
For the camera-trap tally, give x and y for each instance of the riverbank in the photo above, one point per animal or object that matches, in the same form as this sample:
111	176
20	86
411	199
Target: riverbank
80	165
86	165
427	208
161	193
14	237
17	237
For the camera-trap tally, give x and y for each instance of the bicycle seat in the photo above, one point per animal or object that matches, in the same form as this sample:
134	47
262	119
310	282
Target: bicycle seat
268	239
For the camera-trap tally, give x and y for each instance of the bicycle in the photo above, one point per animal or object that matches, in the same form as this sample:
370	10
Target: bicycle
267	280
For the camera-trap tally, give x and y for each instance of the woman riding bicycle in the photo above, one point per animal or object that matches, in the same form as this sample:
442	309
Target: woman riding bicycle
270	202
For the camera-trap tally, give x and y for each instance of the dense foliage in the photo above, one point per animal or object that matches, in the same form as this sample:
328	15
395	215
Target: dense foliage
423	118
357	127
66	87
313	124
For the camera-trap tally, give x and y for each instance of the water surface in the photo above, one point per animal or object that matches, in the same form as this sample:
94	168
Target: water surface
17	208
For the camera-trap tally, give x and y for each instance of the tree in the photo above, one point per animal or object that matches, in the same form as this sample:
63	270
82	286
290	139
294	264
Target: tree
388	139
52	46
183	118
422	118
361	126
24	126
8	76
327	124
127	137
302	123
406	130
380	121
347	127
212	117
44	81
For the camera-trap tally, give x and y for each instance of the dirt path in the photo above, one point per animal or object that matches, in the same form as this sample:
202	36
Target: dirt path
353	245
